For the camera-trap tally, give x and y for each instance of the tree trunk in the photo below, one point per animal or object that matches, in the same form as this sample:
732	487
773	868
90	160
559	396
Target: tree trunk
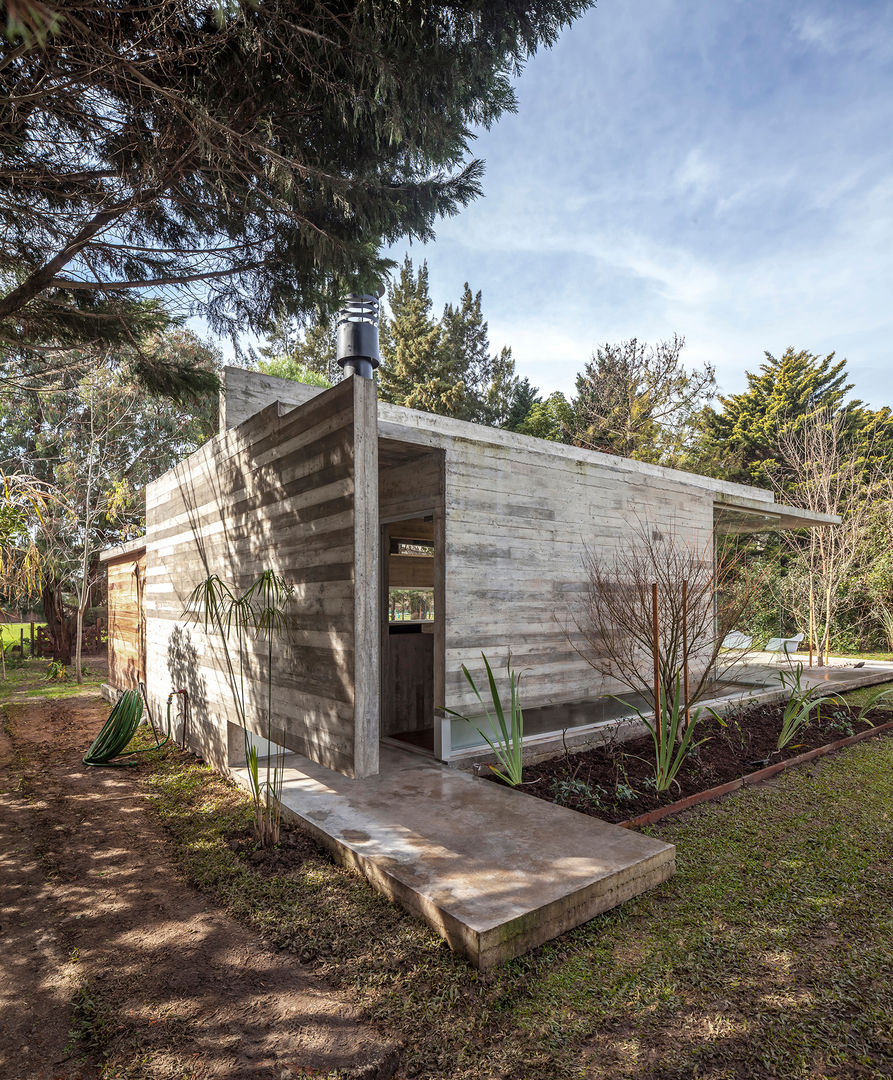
79	643
829	600
58	623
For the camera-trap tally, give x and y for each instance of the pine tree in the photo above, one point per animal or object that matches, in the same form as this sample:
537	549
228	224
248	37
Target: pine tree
489	381
524	396
786	391
238	158
442	366
416	369
500	393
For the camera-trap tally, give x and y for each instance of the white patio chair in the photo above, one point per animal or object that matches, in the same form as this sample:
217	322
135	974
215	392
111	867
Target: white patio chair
737	640
783	646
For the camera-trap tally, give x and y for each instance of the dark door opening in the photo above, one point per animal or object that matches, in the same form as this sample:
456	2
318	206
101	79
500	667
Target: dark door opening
407	685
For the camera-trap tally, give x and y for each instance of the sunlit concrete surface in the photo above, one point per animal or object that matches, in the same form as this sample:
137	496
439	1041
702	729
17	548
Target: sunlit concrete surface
494	871
761	677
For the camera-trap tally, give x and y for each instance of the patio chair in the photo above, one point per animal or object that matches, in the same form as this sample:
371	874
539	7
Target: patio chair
783	646
737	640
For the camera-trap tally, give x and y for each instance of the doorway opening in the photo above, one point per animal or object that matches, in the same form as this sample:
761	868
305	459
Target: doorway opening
408	635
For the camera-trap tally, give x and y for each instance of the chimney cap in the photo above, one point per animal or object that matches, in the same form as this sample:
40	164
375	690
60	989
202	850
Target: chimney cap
357	334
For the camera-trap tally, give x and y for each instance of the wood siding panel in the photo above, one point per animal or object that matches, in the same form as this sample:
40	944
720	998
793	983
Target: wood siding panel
126	621
411	571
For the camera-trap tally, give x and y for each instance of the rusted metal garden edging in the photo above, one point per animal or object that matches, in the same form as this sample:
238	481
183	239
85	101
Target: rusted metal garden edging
751	778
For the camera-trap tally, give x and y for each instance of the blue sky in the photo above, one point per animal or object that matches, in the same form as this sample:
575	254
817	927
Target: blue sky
718	168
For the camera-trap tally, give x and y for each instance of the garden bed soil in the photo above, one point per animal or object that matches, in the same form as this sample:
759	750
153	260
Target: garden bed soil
615	781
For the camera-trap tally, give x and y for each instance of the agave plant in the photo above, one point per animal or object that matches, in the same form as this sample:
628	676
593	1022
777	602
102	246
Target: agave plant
507	734
672	736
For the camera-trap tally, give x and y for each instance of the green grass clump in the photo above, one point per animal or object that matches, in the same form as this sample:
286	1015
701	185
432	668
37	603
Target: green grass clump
770	953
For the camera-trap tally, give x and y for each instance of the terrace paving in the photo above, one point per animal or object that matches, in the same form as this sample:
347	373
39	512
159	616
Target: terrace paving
492	870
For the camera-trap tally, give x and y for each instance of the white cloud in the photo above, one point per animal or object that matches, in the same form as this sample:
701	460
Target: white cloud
700	168
697	176
857	32
819	30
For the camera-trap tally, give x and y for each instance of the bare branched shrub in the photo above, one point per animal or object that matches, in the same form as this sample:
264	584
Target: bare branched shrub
615	615
821	472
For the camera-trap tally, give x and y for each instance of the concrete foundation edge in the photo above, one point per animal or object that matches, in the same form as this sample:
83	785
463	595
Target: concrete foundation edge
496	945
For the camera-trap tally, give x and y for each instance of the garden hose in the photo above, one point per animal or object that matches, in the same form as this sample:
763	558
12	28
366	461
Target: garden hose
119	729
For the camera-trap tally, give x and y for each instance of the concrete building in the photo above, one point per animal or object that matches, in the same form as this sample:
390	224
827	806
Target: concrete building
413	543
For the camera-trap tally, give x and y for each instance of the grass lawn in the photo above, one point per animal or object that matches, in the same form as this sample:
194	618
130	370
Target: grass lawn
10	632
868	655
883	655
29	680
769	954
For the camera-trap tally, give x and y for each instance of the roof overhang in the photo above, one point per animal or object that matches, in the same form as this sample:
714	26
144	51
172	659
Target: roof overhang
129	547
738	514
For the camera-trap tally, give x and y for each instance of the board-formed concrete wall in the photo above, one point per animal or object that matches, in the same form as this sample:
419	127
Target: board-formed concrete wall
518	515
518	526
245	393
295	491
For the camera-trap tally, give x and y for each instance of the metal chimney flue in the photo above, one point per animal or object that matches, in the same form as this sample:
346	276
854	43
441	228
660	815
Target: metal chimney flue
357	335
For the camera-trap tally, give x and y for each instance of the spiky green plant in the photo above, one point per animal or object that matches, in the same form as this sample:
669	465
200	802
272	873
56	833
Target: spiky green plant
869	703
507	735
672	737
800	705
266	600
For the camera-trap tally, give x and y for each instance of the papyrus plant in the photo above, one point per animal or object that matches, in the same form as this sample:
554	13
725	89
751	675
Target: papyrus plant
259	614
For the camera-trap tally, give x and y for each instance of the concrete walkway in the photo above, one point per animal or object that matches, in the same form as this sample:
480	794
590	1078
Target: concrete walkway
492	870
765	678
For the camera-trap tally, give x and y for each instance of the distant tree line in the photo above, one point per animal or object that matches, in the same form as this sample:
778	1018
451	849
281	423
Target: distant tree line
88	437
796	428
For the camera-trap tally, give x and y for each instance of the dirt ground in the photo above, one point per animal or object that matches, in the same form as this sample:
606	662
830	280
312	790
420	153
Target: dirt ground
100	937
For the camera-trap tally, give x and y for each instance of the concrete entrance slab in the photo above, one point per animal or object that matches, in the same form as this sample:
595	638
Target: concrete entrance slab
493	871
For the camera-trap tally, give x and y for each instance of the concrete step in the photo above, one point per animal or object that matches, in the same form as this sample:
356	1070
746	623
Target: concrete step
494	871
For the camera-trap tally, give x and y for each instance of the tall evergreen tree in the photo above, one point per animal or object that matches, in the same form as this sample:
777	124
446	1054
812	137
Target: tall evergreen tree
442	366
240	158
415	370
745	431
489	380
640	401
524	396
500	391
437	365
